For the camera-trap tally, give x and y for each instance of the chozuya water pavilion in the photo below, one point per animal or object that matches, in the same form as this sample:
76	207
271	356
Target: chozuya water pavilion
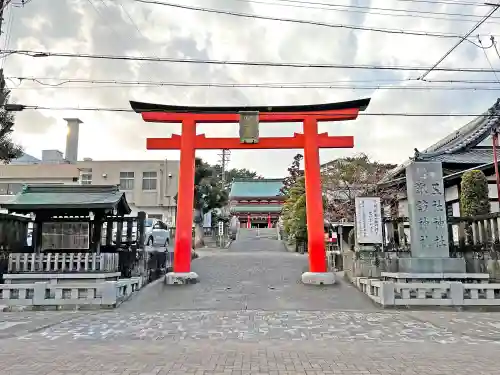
249	118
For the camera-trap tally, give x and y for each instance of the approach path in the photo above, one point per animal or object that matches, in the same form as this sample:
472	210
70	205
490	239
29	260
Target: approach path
249	315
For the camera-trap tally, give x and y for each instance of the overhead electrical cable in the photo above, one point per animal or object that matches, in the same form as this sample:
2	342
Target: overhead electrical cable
345	85
45	54
328	7
435	2
488	59
488	15
305	22
359	9
21	107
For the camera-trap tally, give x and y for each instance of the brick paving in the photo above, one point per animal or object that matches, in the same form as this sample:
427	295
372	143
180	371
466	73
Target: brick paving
249	315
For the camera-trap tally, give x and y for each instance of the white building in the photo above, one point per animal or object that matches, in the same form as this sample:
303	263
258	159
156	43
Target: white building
150	185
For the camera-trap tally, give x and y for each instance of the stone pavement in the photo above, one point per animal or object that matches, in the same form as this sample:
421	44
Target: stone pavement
250	315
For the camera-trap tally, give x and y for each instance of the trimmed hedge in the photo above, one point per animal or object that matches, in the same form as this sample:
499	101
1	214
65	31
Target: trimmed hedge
474	197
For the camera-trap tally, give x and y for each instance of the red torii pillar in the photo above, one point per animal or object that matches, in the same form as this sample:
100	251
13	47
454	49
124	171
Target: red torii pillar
310	141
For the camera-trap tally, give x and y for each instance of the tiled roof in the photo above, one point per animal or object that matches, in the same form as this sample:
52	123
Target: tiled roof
256	208
473	156
459	147
255	188
84	197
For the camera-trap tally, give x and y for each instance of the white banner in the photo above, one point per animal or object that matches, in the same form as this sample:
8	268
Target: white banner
368	220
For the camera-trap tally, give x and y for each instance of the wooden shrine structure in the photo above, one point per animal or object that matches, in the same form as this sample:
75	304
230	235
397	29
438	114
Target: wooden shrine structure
249	118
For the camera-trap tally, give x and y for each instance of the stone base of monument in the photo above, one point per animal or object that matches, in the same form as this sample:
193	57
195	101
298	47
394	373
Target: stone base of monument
430	293
431	265
405	277
318	278
181	278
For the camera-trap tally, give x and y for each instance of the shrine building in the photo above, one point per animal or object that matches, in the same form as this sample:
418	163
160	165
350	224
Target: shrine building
257	203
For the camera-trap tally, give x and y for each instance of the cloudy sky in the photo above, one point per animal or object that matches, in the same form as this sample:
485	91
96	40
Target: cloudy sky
129	27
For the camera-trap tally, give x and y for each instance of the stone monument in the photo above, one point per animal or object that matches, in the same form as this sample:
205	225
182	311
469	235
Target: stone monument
428	223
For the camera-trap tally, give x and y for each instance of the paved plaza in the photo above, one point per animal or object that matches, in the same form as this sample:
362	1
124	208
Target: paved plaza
249	315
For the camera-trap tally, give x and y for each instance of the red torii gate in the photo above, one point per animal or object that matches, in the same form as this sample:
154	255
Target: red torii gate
311	141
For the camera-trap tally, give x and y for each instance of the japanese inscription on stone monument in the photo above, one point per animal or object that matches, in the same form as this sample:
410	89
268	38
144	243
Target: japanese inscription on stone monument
368	220
427	211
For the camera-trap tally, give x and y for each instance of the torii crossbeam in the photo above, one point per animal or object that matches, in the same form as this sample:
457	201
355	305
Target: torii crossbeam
311	141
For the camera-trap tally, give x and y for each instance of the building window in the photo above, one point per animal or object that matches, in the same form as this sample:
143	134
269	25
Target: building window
86	176
148	180
127	180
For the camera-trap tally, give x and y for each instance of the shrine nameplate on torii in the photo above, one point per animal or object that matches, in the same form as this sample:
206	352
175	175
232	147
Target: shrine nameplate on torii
249	119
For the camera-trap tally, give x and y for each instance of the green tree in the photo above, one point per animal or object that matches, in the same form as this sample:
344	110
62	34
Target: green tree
474	197
294	212
294	173
208	195
8	149
293	204
233	173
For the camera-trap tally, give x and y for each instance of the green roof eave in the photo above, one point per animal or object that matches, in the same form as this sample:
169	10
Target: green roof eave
34	198
257	208
256	188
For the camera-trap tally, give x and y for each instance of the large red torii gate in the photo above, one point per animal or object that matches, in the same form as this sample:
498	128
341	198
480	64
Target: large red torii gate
311	141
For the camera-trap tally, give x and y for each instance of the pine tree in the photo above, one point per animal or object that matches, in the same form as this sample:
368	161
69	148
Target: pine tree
294	174
8	149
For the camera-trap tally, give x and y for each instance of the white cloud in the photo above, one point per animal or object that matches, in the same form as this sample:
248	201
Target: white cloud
126	27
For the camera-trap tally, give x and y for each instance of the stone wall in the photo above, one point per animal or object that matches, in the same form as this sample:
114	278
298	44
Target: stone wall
366	265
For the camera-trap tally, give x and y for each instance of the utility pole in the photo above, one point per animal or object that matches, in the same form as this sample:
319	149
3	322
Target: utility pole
224	161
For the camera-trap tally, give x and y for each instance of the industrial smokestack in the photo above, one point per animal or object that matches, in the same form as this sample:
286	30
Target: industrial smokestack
71	154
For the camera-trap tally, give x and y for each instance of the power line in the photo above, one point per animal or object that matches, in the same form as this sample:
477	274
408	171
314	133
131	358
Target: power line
63	80
444	2
492	38
22	107
300	21
452	2
490	13
487	58
362	9
359	9
347	85
41	54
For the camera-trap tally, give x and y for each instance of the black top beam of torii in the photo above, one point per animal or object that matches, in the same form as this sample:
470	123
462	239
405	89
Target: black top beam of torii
141	107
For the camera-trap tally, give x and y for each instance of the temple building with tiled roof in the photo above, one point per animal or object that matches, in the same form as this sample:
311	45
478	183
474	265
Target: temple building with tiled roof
470	147
465	148
257	203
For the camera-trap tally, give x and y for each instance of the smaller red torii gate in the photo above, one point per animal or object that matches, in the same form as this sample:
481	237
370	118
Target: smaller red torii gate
311	141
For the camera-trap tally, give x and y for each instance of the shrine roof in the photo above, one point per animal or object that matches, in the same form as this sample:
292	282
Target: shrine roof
251	208
466	146
256	188
141	107
34	198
